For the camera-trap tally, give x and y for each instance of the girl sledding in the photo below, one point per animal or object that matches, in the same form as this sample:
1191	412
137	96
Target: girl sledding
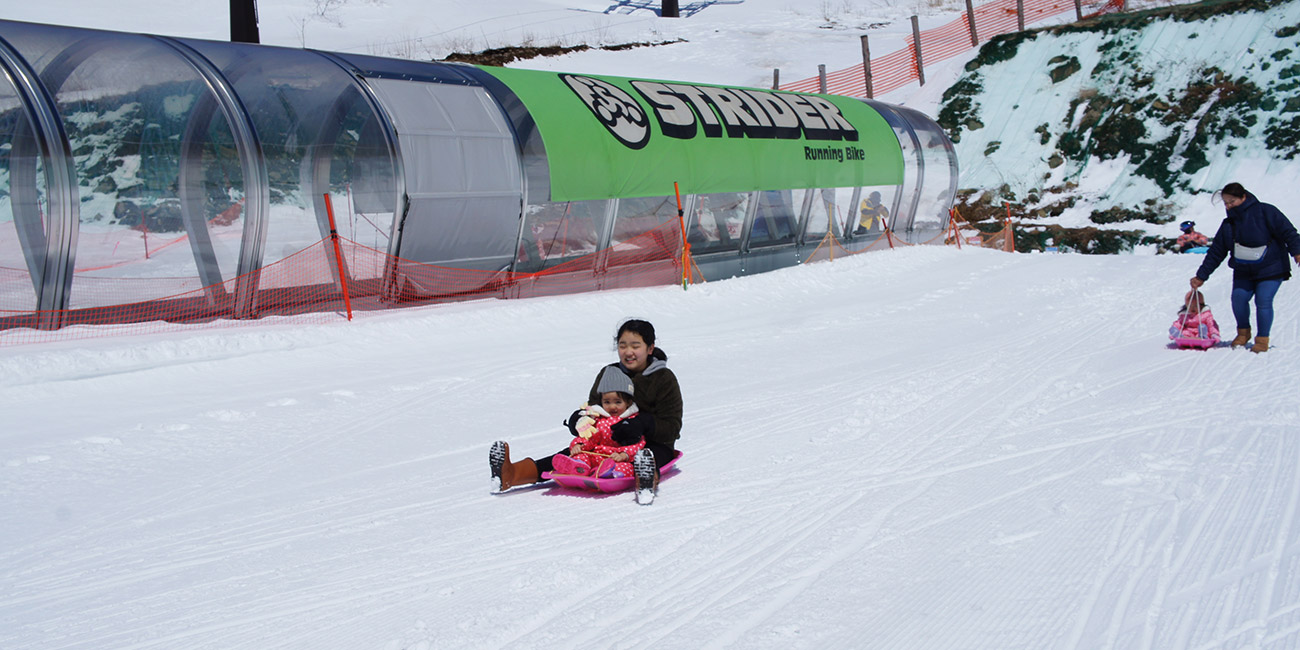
1194	327
596	450
658	421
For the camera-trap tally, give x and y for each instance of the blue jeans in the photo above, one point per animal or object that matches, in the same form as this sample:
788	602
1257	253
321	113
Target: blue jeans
1263	292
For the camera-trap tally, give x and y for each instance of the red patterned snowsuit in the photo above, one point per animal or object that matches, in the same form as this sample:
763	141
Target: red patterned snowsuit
602	442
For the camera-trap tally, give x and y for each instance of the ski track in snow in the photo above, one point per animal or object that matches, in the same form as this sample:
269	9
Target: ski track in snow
920	448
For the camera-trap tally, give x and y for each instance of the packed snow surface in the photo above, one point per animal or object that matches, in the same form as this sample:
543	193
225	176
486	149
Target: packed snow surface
920	448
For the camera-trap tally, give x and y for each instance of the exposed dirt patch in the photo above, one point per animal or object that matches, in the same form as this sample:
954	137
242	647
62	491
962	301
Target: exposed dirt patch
502	55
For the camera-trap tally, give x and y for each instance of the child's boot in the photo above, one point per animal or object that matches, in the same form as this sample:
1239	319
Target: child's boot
605	469
1261	344
568	465
1243	337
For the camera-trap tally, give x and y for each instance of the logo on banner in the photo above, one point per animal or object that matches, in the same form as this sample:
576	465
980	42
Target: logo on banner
614	107
688	111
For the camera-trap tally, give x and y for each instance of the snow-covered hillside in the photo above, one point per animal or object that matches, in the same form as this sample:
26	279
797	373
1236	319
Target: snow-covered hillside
1131	122
925	448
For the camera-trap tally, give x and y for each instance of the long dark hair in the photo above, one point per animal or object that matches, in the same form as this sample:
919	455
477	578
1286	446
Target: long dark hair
637	326
1234	189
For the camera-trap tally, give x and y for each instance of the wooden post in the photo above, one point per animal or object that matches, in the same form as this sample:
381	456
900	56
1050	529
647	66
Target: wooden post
866	66
821	78
970	21
1078	9
776	78
668	9
916	47
1020	14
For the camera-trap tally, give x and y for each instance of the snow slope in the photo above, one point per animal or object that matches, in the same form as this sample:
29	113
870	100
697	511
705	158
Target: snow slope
734	42
922	448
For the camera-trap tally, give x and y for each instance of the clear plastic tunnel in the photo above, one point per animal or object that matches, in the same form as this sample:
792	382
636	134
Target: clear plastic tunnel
148	170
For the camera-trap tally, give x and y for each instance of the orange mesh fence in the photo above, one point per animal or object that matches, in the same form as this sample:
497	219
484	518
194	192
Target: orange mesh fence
309	282
963	232
898	68
312	282
959	232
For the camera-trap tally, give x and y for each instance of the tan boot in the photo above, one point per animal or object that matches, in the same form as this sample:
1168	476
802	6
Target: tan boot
1261	344
508	474
1243	337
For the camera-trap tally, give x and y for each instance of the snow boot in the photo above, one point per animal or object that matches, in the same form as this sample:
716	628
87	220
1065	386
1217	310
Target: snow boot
506	474
605	469
647	477
568	465
1243	337
1261	344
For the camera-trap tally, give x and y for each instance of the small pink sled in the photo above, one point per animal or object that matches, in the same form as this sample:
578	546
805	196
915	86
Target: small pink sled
605	484
1195	343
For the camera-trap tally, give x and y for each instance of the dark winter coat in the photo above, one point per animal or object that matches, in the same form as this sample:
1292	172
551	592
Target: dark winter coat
1253	224
657	395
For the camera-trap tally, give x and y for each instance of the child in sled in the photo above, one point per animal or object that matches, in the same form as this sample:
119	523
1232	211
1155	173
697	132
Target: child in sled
1194	320
608	435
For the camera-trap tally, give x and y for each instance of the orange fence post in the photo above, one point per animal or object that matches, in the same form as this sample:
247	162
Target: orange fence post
1009	244
952	227
338	255
686	247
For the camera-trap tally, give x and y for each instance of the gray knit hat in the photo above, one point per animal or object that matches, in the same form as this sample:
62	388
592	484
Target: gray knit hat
612	380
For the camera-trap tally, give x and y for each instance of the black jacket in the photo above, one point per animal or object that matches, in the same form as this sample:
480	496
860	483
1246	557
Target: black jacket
1253	224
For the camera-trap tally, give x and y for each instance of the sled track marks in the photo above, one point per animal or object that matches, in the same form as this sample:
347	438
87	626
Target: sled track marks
1171	578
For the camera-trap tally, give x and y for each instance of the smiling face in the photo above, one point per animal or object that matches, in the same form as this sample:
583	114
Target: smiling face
633	352
614	403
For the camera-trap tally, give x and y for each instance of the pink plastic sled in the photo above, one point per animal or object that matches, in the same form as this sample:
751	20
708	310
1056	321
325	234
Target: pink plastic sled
605	484
1192	342
1195	343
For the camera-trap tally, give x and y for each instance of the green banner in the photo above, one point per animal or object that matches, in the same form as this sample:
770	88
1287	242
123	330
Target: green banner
611	137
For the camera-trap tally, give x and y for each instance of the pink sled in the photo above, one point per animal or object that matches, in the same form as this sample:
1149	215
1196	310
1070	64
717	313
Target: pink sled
605	484
1195	343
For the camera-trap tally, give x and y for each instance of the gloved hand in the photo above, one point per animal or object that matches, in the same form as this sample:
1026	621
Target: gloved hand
572	421
586	426
582	422
625	433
